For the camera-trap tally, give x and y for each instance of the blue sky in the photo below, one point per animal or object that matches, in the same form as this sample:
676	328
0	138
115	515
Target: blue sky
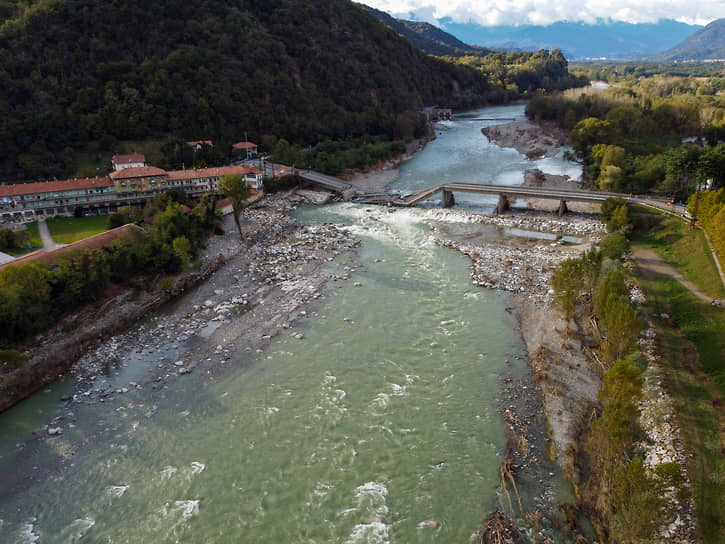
544	12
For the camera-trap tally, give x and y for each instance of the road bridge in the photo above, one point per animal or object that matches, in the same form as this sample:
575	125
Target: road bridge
330	183
323	180
505	192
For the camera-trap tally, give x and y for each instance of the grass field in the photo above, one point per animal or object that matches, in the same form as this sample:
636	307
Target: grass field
66	230
35	240
692	345
691	340
681	246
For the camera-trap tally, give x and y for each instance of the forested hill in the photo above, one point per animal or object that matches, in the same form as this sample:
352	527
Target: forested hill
79	71
427	37
79	76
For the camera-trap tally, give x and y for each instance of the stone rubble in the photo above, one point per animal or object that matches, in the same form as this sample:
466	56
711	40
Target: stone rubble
521	267
664	442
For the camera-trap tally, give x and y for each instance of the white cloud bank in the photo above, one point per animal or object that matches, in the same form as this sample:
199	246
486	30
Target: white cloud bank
544	12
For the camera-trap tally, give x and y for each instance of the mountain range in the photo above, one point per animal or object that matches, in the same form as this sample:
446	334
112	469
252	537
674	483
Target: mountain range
706	43
664	41
428	37
613	40
605	39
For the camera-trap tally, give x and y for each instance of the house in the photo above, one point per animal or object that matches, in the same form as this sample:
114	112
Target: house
198	144
246	147
136	160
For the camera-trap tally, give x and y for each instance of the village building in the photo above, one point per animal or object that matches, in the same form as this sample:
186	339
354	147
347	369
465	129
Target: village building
133	181
136	160
436	113
198	144
204	180
22	202
127	186
247	148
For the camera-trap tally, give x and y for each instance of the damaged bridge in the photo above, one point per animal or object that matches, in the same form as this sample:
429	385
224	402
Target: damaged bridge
505	192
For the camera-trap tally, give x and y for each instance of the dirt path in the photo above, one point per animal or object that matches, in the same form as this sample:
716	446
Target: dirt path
651	263
48	243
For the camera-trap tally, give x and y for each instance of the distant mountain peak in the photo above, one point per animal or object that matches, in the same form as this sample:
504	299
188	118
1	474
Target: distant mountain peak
427	37
707	43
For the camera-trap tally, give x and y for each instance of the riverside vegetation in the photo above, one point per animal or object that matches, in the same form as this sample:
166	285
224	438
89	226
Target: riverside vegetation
629	497
33	296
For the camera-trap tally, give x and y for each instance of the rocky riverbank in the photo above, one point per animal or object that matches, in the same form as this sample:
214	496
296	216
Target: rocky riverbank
252	291
524	265
257	294
278	259
524	258
562	363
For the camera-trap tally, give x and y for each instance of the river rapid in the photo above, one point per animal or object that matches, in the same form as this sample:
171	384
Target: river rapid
379	420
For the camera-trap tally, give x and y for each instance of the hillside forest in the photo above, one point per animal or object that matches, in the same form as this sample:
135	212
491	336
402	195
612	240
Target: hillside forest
82	80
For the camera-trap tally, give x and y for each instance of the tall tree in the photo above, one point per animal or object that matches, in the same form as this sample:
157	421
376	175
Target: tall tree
236	188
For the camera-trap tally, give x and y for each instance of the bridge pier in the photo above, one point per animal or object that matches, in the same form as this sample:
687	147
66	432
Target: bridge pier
447	199
562	208
503	204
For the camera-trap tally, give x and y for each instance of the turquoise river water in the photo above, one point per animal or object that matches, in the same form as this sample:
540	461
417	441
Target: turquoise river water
387	414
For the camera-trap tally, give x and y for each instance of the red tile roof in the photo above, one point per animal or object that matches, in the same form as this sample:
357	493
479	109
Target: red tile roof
53	186
92	242
200	142
128	159
210	172
137	172
244	145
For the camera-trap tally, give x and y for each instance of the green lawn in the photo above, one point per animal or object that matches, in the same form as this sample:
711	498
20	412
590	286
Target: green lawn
35	241
694	343
683	247
66	230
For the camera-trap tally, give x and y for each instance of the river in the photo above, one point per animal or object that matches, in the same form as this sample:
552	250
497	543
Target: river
386	416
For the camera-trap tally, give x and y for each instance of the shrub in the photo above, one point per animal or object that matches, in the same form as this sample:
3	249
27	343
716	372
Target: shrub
609	205
614	246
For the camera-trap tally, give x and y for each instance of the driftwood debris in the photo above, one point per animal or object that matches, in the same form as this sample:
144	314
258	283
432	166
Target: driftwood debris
499	529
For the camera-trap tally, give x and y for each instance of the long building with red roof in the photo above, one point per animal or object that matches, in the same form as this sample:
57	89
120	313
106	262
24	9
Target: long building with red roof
129	186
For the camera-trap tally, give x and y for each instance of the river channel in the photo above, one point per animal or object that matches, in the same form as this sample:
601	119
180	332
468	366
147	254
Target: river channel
382	424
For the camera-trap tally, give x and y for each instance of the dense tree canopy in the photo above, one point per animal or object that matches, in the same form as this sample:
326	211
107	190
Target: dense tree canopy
77	71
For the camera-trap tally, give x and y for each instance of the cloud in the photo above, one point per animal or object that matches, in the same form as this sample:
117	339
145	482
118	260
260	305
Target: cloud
544	12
